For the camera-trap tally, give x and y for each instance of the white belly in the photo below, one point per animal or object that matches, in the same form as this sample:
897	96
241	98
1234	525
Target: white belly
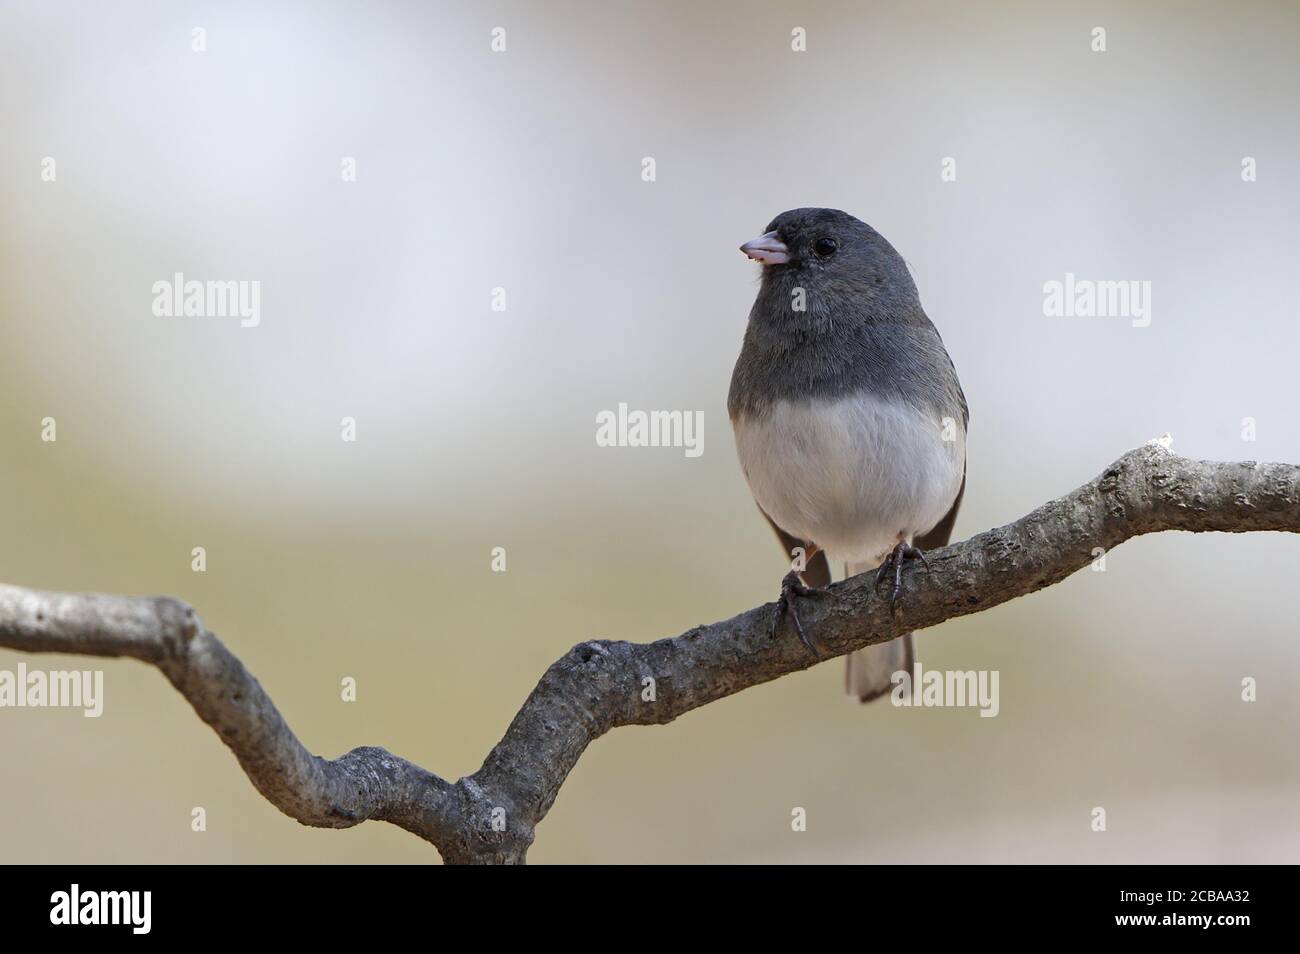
854	476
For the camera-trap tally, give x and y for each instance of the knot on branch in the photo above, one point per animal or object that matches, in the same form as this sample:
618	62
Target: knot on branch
486	827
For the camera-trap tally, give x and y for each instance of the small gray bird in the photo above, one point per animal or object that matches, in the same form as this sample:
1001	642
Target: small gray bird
850	422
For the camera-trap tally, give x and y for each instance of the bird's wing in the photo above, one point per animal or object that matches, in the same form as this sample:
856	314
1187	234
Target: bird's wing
818	571
941	533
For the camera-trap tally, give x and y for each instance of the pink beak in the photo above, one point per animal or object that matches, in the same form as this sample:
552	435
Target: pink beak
767	250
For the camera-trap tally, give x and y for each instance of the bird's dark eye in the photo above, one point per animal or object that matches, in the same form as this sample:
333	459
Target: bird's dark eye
825	247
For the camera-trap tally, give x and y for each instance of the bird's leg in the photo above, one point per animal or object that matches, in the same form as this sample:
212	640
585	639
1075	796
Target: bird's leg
791	587
894	561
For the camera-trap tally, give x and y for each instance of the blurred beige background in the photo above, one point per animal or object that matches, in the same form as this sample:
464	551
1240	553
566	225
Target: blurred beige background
476	428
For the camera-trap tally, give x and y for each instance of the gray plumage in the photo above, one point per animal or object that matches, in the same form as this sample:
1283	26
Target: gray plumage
850	421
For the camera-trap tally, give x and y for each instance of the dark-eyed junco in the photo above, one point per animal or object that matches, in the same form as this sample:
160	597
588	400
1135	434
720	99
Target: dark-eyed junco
849	419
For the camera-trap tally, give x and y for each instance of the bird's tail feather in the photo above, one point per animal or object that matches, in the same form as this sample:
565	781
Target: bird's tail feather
869	672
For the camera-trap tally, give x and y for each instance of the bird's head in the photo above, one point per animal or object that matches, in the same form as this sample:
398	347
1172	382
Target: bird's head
841	264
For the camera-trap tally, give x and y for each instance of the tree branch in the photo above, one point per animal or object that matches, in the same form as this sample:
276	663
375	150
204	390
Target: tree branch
491	815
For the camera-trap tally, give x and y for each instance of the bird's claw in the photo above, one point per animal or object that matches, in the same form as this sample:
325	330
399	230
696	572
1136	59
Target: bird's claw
894	561
792	587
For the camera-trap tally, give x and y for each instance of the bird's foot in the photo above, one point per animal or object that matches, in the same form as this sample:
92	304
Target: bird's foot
791	588
894	562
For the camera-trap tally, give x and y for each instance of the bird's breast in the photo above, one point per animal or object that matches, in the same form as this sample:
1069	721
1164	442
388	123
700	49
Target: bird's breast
852	474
